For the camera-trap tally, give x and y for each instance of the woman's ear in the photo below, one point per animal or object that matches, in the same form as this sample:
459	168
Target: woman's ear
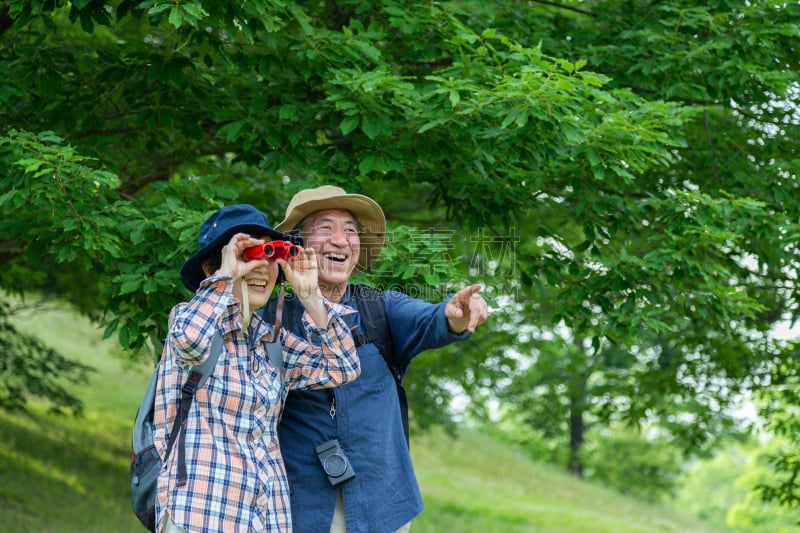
208	267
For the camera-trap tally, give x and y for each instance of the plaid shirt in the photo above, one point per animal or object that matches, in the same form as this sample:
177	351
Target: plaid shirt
236	476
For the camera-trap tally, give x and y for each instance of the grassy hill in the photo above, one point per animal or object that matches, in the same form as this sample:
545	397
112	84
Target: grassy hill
62	474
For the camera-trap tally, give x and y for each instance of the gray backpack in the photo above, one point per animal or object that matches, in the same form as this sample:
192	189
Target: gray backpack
145	461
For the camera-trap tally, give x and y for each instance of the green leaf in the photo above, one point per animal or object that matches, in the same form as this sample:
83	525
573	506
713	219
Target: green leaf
159	8
87	24
349	124
371	126
30	165
195	10
130	286
231	132
176	16
431	124
367	164
287	112
431	278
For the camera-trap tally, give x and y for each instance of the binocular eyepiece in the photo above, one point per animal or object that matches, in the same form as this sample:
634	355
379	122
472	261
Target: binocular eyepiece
271	251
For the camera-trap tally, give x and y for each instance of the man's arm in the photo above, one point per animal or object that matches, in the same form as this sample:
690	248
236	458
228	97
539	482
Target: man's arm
417	326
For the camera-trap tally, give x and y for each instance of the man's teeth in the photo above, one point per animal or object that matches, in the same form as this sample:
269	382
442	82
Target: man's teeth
336	257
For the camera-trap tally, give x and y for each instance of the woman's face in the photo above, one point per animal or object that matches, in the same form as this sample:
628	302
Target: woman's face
260	282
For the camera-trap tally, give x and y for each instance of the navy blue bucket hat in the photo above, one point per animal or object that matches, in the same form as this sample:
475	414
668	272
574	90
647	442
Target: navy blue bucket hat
218	230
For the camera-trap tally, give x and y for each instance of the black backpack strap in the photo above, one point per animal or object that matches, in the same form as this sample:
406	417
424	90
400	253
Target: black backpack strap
372	306
197	377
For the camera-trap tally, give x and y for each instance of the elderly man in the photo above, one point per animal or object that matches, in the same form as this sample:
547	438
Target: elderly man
377	491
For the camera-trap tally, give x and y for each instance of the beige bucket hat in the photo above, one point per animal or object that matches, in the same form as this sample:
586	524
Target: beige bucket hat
366	211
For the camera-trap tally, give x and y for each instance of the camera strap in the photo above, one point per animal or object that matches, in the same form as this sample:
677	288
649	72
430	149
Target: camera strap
274	348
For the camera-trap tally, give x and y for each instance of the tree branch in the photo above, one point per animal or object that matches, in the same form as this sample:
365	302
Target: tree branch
94	132
562	6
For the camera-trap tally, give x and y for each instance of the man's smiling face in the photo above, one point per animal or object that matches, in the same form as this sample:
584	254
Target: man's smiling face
333	234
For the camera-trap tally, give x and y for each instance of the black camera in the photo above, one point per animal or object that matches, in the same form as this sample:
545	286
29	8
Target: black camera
335	462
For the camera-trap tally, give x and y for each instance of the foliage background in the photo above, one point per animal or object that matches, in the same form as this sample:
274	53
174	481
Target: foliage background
621	176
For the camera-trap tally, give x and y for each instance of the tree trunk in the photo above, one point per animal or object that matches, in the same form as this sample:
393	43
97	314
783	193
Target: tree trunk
577	406
575	463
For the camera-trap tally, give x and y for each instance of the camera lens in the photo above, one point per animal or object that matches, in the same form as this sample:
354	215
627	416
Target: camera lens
335	465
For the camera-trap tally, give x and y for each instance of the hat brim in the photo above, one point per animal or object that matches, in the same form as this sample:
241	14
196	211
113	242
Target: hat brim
192	273
366	211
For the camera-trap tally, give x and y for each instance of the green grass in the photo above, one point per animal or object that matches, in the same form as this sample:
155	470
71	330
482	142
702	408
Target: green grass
65	474
474	483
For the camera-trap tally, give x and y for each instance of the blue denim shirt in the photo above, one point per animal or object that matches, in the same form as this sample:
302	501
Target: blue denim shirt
366	420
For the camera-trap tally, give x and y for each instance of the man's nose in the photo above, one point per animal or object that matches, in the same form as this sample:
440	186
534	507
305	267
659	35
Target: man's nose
339	237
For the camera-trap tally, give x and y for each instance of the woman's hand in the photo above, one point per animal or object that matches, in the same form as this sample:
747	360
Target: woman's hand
233	264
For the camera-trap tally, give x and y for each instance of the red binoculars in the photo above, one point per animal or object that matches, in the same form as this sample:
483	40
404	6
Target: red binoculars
271	251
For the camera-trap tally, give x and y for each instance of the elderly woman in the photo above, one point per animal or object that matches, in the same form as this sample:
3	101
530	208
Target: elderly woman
234	473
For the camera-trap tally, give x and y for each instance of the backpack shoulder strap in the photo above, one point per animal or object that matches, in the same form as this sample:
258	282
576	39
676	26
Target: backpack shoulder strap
197	377
372	307
205	369
143	424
